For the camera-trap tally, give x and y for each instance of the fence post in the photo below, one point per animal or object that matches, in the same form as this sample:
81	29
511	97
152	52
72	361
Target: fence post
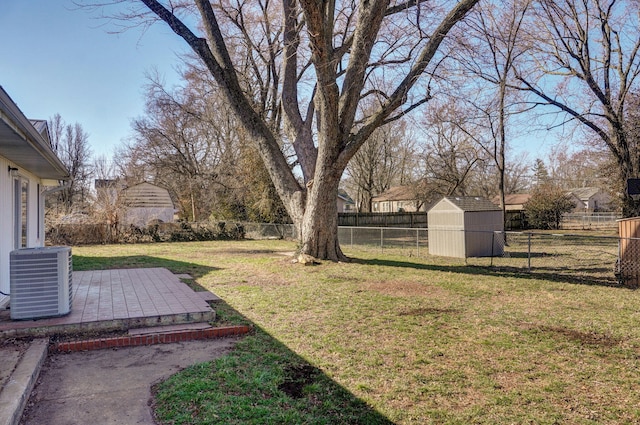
382	239
619	262
493	241
529	252
352	236
417	242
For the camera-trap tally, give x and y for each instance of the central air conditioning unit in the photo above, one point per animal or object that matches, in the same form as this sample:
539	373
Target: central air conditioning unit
40	282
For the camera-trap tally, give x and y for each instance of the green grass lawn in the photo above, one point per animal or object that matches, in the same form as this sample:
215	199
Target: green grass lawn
392	339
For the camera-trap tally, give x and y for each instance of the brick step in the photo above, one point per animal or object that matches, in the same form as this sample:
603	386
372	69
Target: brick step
169	328
151	339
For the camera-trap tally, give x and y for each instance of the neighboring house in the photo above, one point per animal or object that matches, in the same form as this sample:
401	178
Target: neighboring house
28	169
513	202
591	199
345	203
514	217
146	203
398	199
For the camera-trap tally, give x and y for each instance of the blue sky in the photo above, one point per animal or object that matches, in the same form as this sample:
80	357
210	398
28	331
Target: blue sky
57	59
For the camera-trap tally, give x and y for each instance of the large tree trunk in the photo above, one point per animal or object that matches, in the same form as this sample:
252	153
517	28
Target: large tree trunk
319	225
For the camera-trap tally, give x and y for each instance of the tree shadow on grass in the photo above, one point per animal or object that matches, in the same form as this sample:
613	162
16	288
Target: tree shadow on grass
260	381
83	263
559	274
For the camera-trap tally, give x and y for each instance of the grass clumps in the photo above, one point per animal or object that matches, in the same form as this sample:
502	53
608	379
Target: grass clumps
260	382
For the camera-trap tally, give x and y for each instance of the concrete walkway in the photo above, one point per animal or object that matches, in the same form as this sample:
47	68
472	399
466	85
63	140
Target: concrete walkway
111	387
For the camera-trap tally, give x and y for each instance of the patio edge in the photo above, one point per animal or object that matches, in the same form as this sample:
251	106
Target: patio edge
159	338
109	325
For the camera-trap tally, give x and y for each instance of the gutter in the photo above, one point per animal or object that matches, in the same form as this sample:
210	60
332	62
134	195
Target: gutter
30	134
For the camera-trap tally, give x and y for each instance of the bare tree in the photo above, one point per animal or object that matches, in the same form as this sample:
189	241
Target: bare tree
450	155
184	145
484	181
325	58
387	158
71	144
577	168
491	50
585	63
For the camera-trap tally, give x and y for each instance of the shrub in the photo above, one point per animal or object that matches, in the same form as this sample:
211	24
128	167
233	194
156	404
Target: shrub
547	204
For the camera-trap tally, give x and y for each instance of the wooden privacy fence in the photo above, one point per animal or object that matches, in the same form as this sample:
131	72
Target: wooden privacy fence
628	267
400	219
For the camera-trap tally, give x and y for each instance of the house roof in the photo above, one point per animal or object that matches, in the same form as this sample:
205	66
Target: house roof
147	195
25	145
41	127
397	193
515	198
471	203
585	193
342	194
512	202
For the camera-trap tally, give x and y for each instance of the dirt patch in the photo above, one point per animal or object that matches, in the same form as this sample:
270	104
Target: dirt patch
429	311
297	377
586	338
403	288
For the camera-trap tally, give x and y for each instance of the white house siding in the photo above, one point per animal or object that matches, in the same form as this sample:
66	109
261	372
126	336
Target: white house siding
35	219
600	202
6	227
341	203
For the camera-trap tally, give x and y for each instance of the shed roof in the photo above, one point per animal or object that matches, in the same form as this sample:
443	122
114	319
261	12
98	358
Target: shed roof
471	203
147	195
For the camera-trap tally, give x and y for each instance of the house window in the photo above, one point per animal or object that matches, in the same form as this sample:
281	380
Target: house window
21	203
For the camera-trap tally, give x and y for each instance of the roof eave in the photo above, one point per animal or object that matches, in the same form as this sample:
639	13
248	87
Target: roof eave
28	149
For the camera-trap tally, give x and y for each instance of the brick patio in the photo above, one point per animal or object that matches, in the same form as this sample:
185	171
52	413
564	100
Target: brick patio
118	300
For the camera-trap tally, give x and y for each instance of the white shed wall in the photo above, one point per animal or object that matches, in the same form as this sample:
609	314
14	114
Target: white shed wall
446	230
461	234
141	217
480	237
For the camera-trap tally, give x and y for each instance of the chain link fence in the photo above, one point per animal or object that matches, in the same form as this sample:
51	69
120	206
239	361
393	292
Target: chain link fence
591	220
628	264
567	257
604	260
270	231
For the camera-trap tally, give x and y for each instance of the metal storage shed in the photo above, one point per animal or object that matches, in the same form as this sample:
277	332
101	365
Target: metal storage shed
146	202
465	226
